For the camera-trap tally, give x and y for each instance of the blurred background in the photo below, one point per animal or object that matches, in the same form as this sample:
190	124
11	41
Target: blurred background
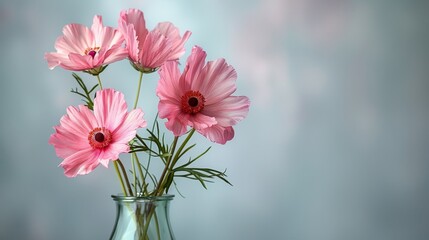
335	145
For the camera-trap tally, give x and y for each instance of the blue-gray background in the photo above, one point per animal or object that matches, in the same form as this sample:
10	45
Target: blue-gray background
335	146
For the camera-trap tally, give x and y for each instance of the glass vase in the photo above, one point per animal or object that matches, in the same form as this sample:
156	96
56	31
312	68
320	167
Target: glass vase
142	218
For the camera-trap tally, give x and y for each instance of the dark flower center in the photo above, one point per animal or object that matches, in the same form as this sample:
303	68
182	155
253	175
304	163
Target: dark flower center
92	51
192	102
99	138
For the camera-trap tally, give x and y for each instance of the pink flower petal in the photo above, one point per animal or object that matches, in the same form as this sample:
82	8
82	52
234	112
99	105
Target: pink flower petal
114	55
83	119
80	62
217	81
167	109
72	134
65	144
110	108
218	134
126	131
80	163
155	50
134	18
177	43
194	66
112	152
55	59
201	121
229	111
167	88
76	39
177	125
99	31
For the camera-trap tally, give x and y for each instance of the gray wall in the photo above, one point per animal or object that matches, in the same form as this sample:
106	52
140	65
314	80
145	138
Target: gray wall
334	147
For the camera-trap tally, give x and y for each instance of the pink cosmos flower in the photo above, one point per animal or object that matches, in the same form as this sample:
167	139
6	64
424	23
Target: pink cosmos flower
84	49
201	98
149	50
84	139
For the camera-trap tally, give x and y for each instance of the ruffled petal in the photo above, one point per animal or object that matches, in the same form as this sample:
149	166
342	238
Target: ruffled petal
72	133
80	62
162	44
99	32
112	153
126	131
229	111
218	134
77	38
176	48
194	65
82	119
168	84
55	59
217	81
201	121
65	46
114	54
133	25
177	125
131	42
80	163
106	37
168	109
110	108
155	50
66	144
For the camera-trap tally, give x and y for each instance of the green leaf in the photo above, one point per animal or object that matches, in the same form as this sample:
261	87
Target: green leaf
203	175
86	93
170	178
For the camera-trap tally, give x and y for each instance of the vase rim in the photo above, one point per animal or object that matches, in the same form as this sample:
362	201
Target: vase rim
122	198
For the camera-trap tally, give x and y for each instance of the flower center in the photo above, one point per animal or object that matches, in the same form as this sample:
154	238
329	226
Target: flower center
192	102
92	51
99	138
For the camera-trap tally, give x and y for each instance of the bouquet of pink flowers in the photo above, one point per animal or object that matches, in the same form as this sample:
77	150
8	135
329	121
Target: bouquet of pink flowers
198	99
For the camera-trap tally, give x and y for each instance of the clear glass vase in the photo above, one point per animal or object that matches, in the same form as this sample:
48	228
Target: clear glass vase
142	218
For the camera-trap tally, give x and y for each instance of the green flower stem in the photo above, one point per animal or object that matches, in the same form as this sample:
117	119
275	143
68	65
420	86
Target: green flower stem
168	168
150	155
136	159
120	177
157	226
124	172
143	183
176	157
134	170
147	223
99	81
160	187
138	90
